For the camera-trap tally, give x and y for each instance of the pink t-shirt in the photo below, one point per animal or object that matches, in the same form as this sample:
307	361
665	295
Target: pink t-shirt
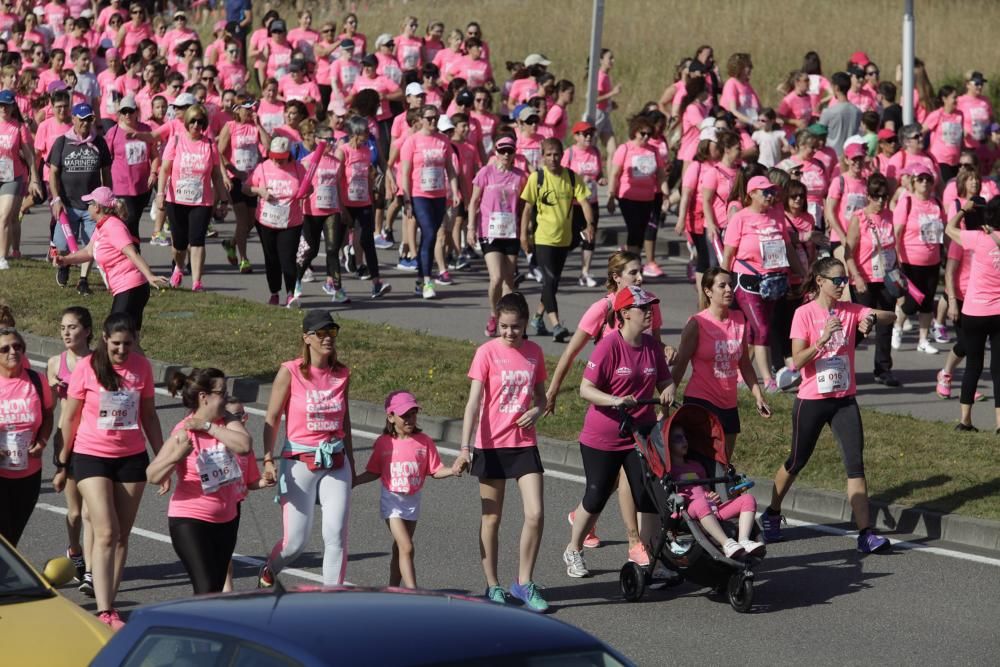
831	373
815	176
872	266
389	67
819	87
290	90
48	131
977	114
355	188
595	319
110	424
12	136
603	88
638	166
851	195
244	149
316	405
380	84
963	256
509	376
20	419
740	95
409	52
694	113
279	57
232	75
282	182
189	500
983	296
717	178
617	368
902	159
715	365
587	164
133	36
467	156
522	90
501	191
404	463
923	222
796	107
556	122
529	146
191	168
325	198
947	135
251	474
427	156
694	217
342	75
447	60
759	240
131	161
271	114
110	238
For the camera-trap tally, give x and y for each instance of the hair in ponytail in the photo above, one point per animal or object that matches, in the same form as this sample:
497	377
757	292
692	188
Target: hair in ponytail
189	386
100	360
819	268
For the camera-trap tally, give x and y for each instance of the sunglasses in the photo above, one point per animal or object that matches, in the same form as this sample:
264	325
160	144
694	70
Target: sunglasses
126	111
323	334
873	72
839	281
208	78
796	196
645	133
924	178
646	307
505	151
201	122
769	192
531	121
431	119
16	347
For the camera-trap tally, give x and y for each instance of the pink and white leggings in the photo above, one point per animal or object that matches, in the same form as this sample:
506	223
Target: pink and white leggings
701	507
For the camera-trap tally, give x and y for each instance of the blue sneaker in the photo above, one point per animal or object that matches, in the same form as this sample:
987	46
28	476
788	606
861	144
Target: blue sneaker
870	543
529	595
770	525
496	594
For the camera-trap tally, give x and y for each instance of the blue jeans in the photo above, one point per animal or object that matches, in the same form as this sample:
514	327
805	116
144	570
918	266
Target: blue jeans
429	213
80	223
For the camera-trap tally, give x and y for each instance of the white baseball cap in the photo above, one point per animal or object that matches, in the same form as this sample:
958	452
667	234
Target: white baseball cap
413	89
445	124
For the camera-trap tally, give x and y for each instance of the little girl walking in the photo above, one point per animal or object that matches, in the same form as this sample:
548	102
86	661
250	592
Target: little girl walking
402	458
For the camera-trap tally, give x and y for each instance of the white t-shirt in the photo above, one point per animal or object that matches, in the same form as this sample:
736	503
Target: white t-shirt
769	144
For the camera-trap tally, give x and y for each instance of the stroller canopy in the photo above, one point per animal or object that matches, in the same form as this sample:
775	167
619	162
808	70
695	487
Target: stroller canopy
704	433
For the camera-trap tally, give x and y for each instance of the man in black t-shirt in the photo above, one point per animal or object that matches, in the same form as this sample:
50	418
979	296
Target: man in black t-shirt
79	162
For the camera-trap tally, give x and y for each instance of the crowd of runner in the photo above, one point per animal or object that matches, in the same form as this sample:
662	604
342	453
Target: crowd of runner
811	225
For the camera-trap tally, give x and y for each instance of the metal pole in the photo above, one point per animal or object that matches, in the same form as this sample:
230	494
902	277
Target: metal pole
596	27
907	100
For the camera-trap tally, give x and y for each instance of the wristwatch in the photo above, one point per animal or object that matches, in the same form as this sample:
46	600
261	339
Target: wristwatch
207	426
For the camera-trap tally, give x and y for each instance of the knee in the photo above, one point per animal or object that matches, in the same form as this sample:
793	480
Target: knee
534	518
491	520
594	500
747	503
698	509
104	537
405	549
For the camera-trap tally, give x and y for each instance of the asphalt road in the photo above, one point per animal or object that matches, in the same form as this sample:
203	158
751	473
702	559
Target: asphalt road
816	598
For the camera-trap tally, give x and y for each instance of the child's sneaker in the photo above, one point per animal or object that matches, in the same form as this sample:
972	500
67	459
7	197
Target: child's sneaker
943	388
575	566
870	543
770	526
638	554
496	594
752	548
591	541
529	595
732	548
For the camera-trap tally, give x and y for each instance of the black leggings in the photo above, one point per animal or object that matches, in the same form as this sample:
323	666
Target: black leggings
877	297
134	206
959	348
280	247
364	219
976	330
809	416
188	225
653	224
779	333
637	215
580	224
205	550
926	280
17	498
314	226
550	260
132	302
601	469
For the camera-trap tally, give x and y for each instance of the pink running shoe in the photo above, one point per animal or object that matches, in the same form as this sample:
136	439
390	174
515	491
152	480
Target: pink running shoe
943	388
111	619
652	270
591	541
198	286
639	555
176	278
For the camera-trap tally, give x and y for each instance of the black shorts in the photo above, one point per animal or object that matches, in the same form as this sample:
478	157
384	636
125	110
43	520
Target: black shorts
237	196
728	417
125	469
132	302
506	463
507	246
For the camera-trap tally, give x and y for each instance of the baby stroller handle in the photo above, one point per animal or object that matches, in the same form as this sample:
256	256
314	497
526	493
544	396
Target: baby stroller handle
701	482
625	424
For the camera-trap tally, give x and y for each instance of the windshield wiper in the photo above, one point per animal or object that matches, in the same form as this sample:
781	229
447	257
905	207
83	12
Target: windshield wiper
26	593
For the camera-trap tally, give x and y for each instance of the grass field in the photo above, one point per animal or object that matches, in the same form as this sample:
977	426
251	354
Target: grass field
909	461
649	37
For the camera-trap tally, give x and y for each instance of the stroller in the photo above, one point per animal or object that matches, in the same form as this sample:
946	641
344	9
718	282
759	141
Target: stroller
682	545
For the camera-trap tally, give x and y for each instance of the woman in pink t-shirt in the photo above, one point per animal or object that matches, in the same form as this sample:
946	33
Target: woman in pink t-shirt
409	47
846	194
584	158
714	342
116	251
715	184
241	143
824	332
402	458
796	109
26	414
351	32
606	94
691	212
944	128
317	453
109	416
303	38
693	110
16	151
135	31
981	308
202	450
191	183
506	398
738	96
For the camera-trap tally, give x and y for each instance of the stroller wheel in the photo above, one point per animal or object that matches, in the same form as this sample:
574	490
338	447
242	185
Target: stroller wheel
740	592
633	581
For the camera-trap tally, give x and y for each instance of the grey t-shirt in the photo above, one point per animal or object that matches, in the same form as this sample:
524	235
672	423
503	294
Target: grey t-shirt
842	121
80	168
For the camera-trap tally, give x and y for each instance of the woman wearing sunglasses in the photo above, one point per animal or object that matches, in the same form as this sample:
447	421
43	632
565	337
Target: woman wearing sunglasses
135	162
316	457
134	31
977	112
824	332
232	71
350	31
190	184
584	159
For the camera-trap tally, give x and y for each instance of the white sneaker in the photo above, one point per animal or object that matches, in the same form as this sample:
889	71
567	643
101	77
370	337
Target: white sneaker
575	566
940	333
897	338
586	280
752	548
428	292
732	549
308	276
4	264
925	347
907	324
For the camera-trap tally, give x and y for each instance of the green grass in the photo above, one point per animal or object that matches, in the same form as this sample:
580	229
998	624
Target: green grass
908	461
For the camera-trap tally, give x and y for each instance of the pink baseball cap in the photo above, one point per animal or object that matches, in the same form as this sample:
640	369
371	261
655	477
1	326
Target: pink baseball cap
111	54
505	142
400	402
759	183
102	196
633	296
852	151
918	169
860	58
219	26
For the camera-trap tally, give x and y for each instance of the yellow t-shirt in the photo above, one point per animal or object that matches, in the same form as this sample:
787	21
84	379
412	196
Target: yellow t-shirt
554	206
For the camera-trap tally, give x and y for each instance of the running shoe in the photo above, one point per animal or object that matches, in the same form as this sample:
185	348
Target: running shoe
888	379
246	266
444	278
652	270
732	548
538	324
870	543
78	563
926	347
638	554
111	619
491	328
897	338
408	264
529	595
273	300
787	378
771	387
340	296
83	287
291	301
575	567
940	333
428	290
211	232
496	594
560	334
586	280
15	254
535	273
308	276
966	428
943	387
297	291
591	541
62	276
4	264
380	289
907	324
87	585
159	239
230	249
363	273
265	578
329	288
457	263
382	243
770	526
198	286
752	548
176	278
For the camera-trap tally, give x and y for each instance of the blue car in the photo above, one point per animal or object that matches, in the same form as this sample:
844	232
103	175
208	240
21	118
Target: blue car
348	626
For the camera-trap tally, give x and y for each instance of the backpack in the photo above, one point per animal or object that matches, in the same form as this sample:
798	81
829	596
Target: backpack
540	174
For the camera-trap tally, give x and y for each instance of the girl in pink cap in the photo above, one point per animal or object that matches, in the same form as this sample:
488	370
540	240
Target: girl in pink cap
402	457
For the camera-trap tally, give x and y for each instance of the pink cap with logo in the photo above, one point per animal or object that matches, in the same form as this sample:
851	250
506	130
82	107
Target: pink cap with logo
400	402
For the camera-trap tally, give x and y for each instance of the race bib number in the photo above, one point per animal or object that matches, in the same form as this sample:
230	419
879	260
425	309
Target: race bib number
931	229
6	170
833	374
855	202
643	166
14	449
326	197
136	152
217	467
980	121
357	189
814	84
432	178
245	159
394	73
816	209
951	133
189	191
271	121
773	254
118	410
348	75
501	225
275	214
532	156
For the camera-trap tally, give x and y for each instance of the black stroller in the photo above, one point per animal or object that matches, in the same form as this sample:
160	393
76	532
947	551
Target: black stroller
682	545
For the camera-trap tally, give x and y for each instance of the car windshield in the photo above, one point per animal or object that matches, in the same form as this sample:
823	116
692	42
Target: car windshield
16	580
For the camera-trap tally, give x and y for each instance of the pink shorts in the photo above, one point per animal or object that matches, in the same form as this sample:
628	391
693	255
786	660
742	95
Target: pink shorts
728	510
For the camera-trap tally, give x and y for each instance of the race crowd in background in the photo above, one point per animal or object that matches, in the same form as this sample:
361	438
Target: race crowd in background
811	225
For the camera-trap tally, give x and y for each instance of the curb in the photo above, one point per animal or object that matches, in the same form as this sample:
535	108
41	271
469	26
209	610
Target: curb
925	525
